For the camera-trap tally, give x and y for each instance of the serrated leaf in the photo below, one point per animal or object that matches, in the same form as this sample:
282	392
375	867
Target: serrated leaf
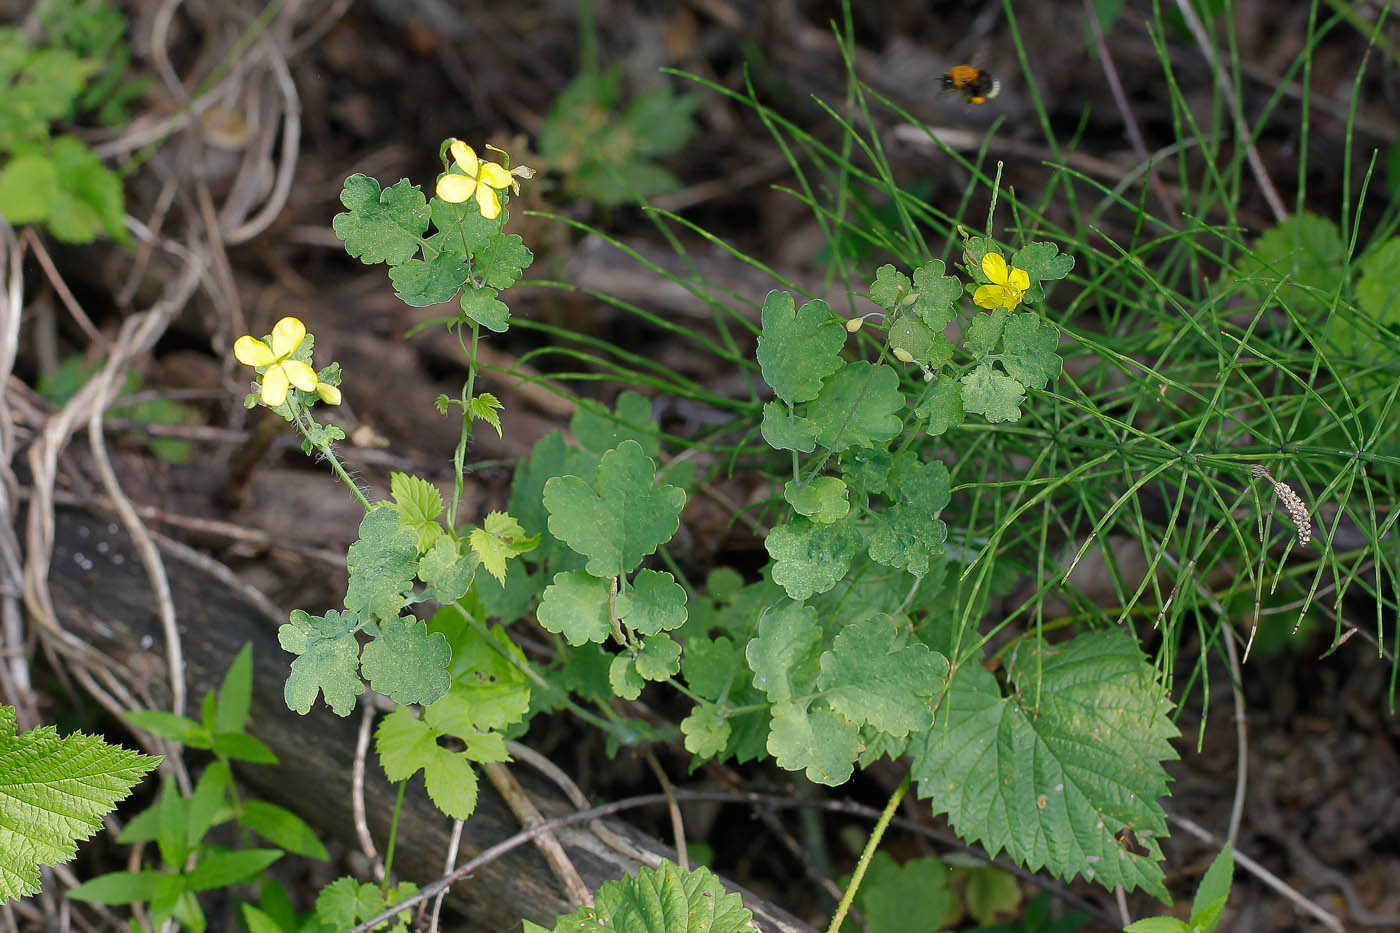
1052	772
872	675
419	283
382	225
1213	891
1028	351
485	407
482	306
575	605
783	430
382	564
407	663
809	558
498	540
857	406
664	899
54	791
419	504
329	661
345	902
620	518
988	393
797	350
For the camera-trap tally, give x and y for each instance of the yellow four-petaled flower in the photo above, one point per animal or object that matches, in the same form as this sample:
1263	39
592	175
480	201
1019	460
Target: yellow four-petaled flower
1008	284
478	179
282	370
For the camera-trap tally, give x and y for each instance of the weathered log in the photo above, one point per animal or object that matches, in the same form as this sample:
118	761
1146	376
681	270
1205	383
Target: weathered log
101	594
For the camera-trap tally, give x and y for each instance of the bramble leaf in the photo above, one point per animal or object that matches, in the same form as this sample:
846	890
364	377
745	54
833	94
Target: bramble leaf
575	605
654	603
620	518
486	407
419	504
665	898
857	407
54	790
382	564
797	350
809	558
382	226
1052	772
498	540
407	663
329	661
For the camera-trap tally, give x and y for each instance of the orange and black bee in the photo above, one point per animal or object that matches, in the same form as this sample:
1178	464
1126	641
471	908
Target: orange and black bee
974	83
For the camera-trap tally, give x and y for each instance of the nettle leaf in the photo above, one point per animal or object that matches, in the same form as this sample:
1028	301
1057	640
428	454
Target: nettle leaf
856	407
329	661
480	305
665	898
599	430
654	603
819	741
419	284
446	571
1028	351
382	226
941	407
810	558
784	657
988	393
54	791
620	518
419	504
498	540
486	407
382	564
407	663
874	675
796	351
1043	261
1054	771
784	430
575	605
826	499
907	535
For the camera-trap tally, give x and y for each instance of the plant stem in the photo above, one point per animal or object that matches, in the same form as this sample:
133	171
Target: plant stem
871	844
393	838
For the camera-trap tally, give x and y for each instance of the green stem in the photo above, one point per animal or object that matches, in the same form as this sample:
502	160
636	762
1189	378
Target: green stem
333	460
393	838
871	844
459	455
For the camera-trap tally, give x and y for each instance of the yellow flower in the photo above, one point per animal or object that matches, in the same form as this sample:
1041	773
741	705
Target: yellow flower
1008	284
281	370
478	178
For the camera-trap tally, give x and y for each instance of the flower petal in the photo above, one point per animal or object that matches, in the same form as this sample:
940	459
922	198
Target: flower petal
988	296
287	335
464	156
994	268
274	387
329	393
454	188
1019	279
250	351
488	202
494	175
301	375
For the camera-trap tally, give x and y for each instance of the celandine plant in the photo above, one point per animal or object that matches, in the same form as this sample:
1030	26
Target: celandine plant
855	643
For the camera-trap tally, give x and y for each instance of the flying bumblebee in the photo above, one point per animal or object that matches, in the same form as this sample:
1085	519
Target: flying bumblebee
976	85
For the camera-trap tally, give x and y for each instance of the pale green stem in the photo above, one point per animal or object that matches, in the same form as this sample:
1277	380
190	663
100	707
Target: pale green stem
871	845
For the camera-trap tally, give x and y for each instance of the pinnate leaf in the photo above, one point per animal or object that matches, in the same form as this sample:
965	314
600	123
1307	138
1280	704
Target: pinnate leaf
1053	771
988	393
857	406
784	430
809	558
419	283
329	661
1028	351
873	675
54	790
382	564
620	518
654	603
797	350
382	225
575	605
407	663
